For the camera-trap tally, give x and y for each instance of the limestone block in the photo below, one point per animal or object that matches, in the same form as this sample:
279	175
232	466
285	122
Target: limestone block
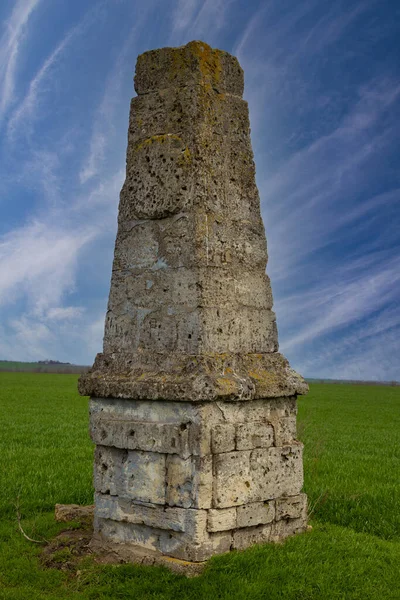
255	513
254	435
193	64
164	112
128	533
182	547
74	512
135	435
226	331
243	538
200	438
159	288
123	509
160	160
232	479
143	477
276	472
192	544
221	519
179	481
107	470
283	407
164	375
291	507
285	430
136	248
220	542
223	438
189	481
237	243
263	410
225	286
188	521
148	411
286	527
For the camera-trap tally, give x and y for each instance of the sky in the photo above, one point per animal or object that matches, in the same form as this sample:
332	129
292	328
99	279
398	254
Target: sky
322	80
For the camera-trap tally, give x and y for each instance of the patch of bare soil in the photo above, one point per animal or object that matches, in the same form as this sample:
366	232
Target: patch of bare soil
67	549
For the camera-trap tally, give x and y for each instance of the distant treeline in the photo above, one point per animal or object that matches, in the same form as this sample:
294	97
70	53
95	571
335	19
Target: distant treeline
41	367
352	381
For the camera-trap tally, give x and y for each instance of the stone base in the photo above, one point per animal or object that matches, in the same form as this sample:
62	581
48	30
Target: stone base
189	480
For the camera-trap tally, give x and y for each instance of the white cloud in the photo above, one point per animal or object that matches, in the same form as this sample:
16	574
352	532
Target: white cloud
316	183
30	104
346	298
38	261
61	313
103	129
10	45
184	14
199	20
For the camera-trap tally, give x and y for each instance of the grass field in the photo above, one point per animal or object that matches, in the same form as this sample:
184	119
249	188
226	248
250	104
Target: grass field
352	468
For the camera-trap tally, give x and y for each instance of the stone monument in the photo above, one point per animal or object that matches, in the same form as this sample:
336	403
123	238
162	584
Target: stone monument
193	410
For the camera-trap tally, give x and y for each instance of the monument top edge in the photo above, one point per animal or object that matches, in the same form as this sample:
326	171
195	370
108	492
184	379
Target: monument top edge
196	63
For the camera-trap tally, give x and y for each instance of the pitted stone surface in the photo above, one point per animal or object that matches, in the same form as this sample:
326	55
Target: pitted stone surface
255	513
202	489
193	64
189	289
193	409
254	435
292	507
184	377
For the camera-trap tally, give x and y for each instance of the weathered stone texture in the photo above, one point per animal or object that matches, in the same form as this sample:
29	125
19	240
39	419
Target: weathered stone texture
201	487
255	513
193	409
189	289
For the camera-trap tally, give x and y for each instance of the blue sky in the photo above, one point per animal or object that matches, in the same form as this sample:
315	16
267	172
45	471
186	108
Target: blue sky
322	80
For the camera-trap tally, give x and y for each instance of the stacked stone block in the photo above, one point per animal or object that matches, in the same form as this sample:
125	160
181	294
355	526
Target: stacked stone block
189	481
193	408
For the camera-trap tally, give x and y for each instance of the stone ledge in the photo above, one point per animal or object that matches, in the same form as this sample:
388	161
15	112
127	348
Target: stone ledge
180	377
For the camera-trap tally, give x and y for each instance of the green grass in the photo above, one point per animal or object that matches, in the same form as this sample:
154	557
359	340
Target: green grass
352	466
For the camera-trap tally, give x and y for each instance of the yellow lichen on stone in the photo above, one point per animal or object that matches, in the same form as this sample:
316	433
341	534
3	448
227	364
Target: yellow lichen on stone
186	157
226	386
209	62
262	375
160	139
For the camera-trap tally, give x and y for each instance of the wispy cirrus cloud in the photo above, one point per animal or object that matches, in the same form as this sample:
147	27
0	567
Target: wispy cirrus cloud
38	260
103	128
30	105
184	14
10	46
315	193
330	218
349	295
197	19
324	130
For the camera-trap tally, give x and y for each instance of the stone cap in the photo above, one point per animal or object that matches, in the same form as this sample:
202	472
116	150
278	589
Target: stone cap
195	378
193	64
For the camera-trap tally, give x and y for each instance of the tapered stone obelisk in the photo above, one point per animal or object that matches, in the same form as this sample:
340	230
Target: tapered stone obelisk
193	410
